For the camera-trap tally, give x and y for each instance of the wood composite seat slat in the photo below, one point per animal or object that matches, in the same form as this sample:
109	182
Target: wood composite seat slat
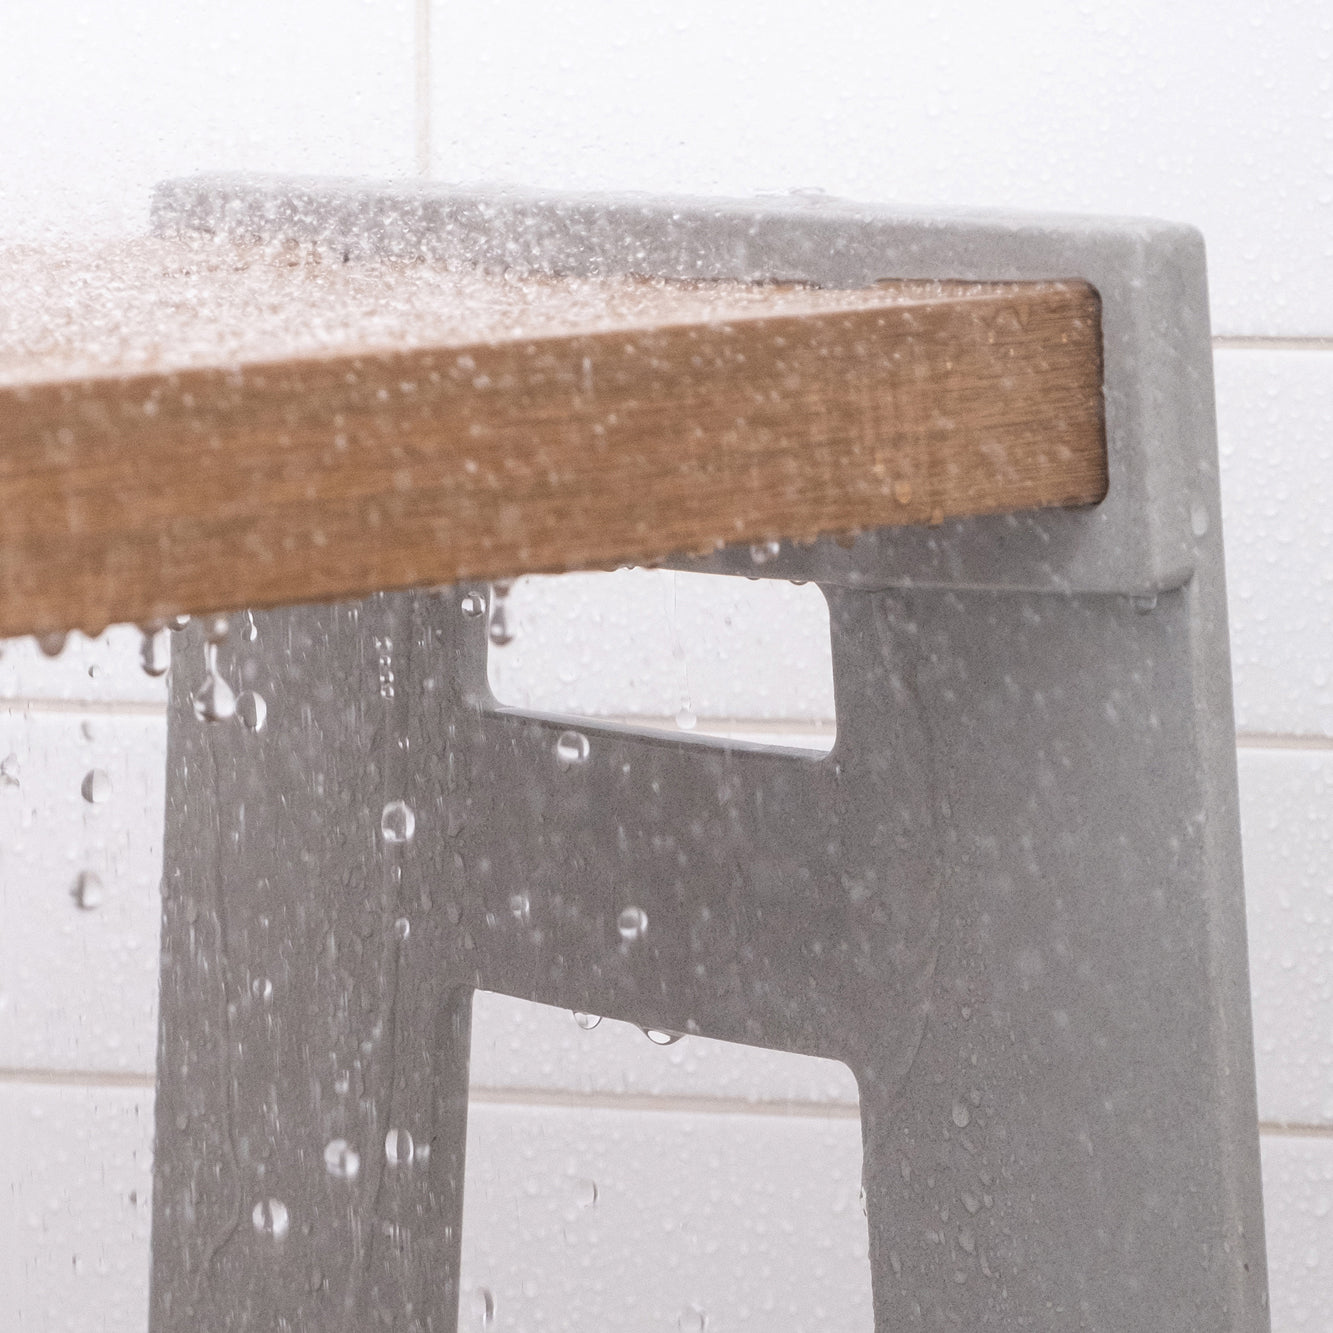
188	426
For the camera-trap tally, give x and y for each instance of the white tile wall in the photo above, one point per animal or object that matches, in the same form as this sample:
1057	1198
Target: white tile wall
1275	431
1220	114
750	1223
659	644
98	101
1211	112
80	889
1298	1205
76	1171
1286	802
104	670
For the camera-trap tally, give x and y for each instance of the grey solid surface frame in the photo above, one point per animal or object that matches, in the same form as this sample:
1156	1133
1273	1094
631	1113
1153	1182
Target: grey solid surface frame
1010	899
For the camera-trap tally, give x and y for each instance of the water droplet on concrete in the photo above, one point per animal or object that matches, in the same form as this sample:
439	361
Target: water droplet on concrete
252	710
341	1160
632	923
97	786
215	701
397	822
271	1219
399	1149
572	748
660	1037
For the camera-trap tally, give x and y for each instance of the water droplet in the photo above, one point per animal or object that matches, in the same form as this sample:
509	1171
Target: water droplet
1199	519
214	701
632	923
9	771
685	718
341	1160
262	989
52	645
88	891
397	822
250	631
762	552
585	1193
586	1021
384	665
503	627
216	628
483	1307
270	1218
178	622
252	710
520	906
660	1037
473	604
402	928
962	1117
691	1320
155	652
572	748
399	1148
96	786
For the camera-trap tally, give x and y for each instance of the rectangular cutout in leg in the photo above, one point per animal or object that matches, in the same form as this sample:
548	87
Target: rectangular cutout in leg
686	654
622	1180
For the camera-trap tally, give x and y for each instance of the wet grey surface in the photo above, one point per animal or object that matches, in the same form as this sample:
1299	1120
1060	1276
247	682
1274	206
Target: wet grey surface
1010	898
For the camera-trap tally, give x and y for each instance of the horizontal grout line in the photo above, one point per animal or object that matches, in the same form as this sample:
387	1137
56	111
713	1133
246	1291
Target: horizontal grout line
1281	1130
1245	343
85	707
616	1101
574	1101
822	728
79	1078
553	1097
1258	740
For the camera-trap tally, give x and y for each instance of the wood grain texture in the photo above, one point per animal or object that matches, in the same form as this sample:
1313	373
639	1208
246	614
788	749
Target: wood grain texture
589	425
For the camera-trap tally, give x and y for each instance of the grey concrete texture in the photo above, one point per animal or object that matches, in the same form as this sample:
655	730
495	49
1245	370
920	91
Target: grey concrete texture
1010	899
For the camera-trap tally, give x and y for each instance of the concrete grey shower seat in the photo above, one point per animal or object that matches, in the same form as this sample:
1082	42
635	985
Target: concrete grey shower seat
1010	898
